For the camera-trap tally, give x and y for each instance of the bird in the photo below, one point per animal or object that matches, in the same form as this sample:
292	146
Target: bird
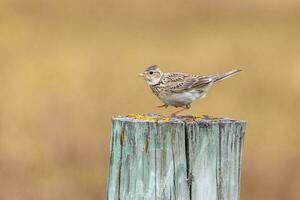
180	89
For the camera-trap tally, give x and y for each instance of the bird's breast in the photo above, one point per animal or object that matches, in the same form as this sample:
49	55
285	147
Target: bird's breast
184	98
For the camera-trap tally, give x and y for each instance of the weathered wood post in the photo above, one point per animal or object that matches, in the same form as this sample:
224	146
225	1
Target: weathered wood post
182	158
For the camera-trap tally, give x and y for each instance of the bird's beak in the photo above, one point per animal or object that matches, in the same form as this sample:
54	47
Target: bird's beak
142	74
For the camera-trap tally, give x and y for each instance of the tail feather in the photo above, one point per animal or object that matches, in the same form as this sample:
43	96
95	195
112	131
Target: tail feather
226	75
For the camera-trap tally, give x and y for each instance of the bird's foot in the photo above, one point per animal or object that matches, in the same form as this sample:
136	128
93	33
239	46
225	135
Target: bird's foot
175	113
163	106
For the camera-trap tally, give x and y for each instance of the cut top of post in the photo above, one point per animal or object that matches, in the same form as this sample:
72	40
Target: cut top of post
150	117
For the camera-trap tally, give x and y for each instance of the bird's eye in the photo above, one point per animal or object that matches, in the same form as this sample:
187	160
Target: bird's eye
151	72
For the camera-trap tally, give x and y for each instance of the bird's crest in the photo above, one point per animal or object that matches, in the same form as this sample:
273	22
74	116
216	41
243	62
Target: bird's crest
152	67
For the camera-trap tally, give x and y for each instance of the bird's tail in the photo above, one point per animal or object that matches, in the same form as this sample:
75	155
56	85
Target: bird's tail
226	75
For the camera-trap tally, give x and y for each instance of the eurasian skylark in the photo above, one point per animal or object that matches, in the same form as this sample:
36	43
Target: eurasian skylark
179	89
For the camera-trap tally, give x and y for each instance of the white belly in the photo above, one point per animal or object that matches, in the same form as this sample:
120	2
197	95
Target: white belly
185	98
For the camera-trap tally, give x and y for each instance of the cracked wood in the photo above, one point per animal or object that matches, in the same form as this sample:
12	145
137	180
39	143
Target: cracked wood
178	159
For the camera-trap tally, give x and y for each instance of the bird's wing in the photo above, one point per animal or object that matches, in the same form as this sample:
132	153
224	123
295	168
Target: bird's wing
180	82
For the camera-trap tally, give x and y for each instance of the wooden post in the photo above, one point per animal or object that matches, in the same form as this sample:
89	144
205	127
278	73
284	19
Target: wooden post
182	158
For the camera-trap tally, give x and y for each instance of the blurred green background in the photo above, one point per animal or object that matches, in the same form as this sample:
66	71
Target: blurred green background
66	67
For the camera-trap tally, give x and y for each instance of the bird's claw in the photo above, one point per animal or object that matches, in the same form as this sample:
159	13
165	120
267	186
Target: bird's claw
173	115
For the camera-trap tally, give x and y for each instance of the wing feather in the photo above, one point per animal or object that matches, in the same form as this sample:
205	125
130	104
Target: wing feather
180	82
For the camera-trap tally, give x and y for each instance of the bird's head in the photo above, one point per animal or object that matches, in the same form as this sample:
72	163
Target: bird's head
152	75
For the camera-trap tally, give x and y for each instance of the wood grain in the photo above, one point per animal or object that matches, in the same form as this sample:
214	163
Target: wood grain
184	158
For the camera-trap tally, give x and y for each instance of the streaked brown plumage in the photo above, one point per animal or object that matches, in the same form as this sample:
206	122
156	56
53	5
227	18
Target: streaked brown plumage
180	89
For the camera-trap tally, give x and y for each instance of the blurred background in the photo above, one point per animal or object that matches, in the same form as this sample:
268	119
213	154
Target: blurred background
66	67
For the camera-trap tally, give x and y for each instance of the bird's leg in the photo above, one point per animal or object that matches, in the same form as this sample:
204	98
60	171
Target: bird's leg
185	108
175	113
163	106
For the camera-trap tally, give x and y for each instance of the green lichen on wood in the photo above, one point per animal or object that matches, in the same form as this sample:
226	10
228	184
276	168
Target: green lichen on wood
161	118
